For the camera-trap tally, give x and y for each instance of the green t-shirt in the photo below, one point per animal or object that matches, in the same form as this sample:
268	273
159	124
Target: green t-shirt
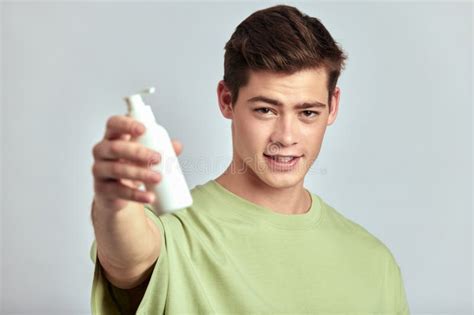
227	255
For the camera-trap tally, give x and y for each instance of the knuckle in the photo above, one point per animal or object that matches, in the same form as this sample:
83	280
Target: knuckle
114	147
140	152
116	169
100	188
96	150
108	189
110	121
95	169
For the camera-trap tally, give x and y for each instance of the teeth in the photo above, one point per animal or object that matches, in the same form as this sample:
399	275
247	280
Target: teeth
283	159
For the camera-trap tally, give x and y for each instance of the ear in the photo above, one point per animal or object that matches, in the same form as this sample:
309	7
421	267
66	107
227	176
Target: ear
335	97
224	97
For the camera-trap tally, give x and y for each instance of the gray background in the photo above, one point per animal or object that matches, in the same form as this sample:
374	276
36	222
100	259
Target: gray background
398	159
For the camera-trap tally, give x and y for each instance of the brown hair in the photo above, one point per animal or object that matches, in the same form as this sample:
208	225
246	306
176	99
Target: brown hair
280	39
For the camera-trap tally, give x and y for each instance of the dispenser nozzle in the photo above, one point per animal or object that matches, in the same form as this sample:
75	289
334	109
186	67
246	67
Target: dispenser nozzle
149	90
136	100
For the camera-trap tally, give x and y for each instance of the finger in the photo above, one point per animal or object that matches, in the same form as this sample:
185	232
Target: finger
128	182
119	124
126	137
115	190
127	150
177	146
106	170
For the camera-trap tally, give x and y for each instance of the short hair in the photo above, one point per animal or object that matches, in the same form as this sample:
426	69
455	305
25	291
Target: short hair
281	39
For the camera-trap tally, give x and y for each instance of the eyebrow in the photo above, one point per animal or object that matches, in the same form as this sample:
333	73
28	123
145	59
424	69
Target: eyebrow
280	104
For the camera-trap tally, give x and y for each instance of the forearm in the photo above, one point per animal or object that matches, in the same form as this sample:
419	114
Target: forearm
125	240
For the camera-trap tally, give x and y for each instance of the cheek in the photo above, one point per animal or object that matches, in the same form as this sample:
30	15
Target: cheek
247	134
313	138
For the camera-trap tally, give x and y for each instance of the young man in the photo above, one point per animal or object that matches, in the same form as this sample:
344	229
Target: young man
254	240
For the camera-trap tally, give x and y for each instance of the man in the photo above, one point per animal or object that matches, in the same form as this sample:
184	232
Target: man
255	241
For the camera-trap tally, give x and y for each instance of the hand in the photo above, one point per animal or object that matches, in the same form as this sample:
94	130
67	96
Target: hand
121	165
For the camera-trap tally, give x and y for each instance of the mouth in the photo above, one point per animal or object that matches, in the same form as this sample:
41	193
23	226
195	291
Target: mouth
282	162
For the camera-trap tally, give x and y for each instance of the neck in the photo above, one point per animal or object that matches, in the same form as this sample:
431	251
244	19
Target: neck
286	200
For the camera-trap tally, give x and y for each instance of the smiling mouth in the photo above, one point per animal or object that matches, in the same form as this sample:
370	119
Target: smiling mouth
282	158
280	163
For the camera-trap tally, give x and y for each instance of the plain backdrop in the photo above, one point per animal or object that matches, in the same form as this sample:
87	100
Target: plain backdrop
398	159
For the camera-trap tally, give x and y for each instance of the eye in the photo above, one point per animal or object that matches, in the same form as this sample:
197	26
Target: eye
308	113
263	110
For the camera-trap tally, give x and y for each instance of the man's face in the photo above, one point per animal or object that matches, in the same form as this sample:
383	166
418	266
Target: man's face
262	128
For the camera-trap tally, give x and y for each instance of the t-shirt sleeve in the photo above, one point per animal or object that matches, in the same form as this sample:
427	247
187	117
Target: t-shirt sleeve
395	288
108	299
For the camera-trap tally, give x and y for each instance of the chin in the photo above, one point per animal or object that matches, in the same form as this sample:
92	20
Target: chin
283	182
280	180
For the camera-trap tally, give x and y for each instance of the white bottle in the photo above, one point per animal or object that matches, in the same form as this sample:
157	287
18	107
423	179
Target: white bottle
172	192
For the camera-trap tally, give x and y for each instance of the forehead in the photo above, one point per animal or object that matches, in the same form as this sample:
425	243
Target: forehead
308	83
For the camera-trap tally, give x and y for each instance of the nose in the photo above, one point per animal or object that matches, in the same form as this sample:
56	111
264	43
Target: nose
285	132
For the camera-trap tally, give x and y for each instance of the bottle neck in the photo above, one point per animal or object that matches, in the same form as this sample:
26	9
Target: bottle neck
143	114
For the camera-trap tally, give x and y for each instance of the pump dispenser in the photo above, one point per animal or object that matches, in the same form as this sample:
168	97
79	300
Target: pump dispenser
172	192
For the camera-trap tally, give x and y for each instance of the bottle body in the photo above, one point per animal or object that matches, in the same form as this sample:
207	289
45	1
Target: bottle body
172	192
